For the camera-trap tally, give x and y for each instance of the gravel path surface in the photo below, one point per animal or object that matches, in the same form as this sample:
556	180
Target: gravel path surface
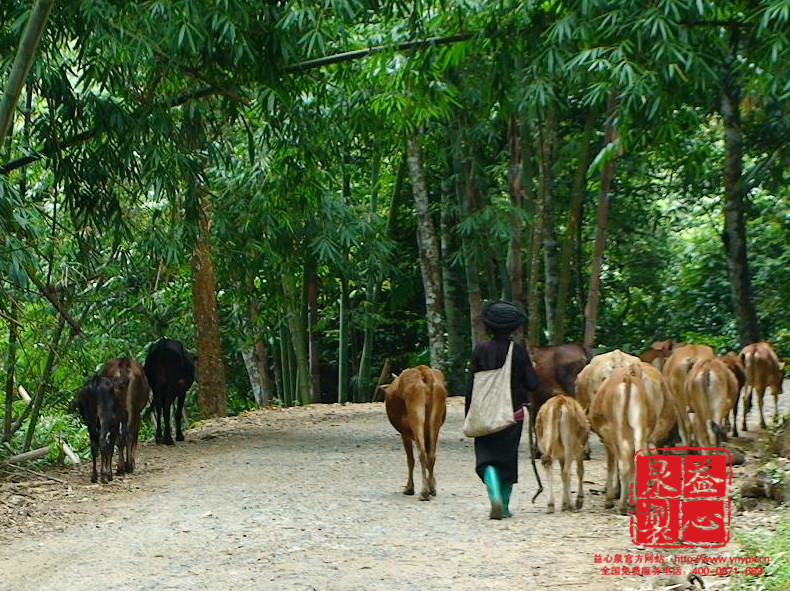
305	499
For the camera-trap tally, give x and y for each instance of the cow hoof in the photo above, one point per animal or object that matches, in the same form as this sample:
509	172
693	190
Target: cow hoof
579	504
180	437
550	508
425	496
408	491
566	507
169	442
587	455
94	479
608	504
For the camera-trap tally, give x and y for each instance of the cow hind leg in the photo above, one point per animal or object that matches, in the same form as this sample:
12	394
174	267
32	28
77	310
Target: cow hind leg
547	468
167	436
580	478
760	397
409	448
747	406
180	415
565	471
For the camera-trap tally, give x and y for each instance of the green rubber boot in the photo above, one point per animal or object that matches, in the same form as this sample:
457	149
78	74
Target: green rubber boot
506	490
491	478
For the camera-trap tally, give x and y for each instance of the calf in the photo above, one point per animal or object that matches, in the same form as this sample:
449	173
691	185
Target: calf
102	412
711	389
171	371
562	429
621	417
132	391
676	369
416	404
763	370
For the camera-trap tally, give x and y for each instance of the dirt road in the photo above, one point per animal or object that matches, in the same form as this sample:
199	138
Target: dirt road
306	499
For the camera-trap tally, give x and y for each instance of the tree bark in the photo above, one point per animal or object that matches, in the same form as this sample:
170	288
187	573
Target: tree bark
548	156
13	331
533	281
734	235
311	293
343	345
571	231
255	359
300	370
25	56
212	395
594	289
429	256
515	260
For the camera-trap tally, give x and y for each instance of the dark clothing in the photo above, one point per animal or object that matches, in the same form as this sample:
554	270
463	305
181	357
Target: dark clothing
501	449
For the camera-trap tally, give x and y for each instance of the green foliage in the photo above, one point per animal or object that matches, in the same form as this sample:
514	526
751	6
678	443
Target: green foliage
774	543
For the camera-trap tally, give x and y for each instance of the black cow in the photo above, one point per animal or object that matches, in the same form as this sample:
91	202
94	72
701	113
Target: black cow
170	370
104	415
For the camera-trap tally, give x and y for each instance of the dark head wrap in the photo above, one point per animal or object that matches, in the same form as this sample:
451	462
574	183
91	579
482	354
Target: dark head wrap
502	316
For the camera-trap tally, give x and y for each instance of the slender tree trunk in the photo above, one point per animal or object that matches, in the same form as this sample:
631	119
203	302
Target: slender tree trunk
452	282
429	256
467	205
343	345
13	331
255	359
533	282
298	333
571	231
311	293
607	173
515	261
212	396
548	156
25	56
734	235
46	376
287	371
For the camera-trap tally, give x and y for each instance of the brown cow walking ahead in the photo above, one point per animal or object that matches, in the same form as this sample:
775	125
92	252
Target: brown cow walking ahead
711	388
675	370
131	387
763	370
416	403
562	429
622	418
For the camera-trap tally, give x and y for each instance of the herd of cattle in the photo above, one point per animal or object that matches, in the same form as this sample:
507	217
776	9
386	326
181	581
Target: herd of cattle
111	403
672	391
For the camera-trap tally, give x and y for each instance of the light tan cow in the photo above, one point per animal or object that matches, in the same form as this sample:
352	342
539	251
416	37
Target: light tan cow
595	373
562	429
416	403
711	389
763	370
621	417
676	369
660	399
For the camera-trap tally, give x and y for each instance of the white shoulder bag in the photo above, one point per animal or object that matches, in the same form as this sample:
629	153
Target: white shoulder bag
491	409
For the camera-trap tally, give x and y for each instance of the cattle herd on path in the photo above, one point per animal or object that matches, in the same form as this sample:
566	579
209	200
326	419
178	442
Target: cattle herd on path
111	403
671	393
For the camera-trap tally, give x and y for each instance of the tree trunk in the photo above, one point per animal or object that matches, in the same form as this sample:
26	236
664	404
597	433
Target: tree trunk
287	371
344	342
533	281
572	228
13	331
457	352
25	56
607	172
46	376
467	205
255	360
300	370
429	256
734	235
311	295
548	156
210	369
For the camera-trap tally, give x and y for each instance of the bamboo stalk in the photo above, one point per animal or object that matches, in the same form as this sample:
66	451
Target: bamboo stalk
28	455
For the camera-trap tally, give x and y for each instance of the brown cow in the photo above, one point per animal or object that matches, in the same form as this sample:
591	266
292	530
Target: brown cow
562	429
734	363
676	369
711	390
131	388
660	399
763	370
557	367
621	417
658	352
416	403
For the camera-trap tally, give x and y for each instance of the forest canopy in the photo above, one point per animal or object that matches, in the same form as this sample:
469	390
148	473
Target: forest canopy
310	195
